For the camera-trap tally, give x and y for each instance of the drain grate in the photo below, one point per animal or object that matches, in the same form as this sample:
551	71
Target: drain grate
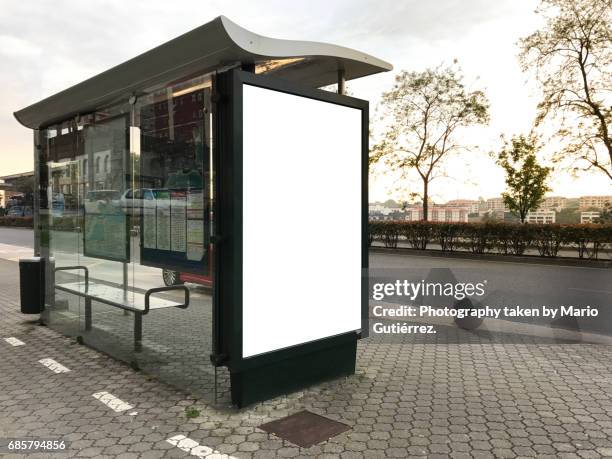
305	429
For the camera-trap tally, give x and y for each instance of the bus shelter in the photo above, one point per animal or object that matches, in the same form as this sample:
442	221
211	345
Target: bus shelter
201	211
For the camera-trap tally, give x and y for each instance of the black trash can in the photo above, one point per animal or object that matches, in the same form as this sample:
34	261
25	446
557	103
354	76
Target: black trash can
32	285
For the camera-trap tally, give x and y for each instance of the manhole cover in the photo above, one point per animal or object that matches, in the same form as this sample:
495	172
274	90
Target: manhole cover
305	429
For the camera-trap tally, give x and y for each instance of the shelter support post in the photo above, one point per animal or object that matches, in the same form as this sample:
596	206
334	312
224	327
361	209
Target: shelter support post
87	314
341	81
137	331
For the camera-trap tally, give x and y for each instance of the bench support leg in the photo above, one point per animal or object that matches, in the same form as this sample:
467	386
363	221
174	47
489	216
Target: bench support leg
137	331
87	314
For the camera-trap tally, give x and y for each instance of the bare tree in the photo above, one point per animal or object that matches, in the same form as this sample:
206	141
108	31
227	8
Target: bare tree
572	58
423	111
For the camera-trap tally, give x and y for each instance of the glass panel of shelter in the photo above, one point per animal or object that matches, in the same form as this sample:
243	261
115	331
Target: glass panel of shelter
83	231
174	155
105	231
61	179
128	195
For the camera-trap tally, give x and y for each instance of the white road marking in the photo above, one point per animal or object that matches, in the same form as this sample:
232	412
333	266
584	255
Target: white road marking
195	449
14	252
54	366
115	404
14	341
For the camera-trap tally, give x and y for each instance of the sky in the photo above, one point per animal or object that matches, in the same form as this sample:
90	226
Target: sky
48	46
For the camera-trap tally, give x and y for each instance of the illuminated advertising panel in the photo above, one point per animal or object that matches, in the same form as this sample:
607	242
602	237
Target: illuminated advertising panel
301	220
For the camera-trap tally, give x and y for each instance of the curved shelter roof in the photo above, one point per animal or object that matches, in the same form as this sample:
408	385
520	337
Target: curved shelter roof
217	44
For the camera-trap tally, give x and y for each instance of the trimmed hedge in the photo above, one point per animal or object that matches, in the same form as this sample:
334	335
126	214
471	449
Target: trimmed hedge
491	237
21	222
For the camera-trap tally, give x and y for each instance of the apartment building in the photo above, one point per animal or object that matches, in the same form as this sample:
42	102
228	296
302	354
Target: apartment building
541	216
471	205
589	217
496	204
439	214
554	203
597	202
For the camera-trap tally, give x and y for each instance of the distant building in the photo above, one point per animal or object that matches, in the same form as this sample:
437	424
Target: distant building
588	217
554	203
439	214
496	204
8	184
541	216
379	209
9	181
471	205
382	212
597	202
395	215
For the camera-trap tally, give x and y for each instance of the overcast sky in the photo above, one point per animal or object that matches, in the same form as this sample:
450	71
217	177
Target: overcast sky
48	46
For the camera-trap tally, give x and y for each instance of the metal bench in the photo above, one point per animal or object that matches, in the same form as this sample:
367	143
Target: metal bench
139	303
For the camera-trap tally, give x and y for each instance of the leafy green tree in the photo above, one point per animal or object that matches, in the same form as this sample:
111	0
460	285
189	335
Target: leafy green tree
424	112
525	178
572	59
391	203
605	216
570	215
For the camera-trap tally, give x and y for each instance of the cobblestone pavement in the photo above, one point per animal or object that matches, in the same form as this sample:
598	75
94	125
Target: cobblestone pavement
517	399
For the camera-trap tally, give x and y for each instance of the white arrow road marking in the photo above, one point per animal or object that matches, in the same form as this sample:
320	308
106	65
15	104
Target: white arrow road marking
115	404
195	449
14	341
54	366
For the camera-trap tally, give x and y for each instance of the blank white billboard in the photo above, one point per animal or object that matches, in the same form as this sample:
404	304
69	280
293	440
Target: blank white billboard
301	220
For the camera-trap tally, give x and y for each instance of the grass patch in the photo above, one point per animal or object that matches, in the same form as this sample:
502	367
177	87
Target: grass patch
191	412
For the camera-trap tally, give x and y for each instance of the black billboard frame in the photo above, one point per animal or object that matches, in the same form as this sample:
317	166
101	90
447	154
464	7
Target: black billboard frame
285	370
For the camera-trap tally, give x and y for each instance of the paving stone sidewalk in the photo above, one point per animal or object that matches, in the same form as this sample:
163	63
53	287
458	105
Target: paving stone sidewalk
408	399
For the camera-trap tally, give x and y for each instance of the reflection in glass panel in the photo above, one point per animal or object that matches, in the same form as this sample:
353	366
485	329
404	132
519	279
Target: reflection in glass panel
60	217
106	325
175	203
128	208
174	166
105	223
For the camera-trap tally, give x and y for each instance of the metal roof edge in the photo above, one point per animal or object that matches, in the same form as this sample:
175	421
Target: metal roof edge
261	45
204	48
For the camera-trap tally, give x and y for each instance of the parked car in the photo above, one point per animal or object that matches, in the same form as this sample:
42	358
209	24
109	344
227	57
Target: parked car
97	201
16	200
132	201
20	211
178	278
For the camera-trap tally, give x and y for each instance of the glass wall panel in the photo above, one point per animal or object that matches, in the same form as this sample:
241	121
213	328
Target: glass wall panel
106	232
126	210
62	173
174	201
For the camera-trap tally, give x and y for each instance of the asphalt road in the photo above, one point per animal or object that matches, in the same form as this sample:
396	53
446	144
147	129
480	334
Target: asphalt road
511	284
507	283
23	237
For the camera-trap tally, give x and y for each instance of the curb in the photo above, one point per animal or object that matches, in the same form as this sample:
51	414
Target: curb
535	260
